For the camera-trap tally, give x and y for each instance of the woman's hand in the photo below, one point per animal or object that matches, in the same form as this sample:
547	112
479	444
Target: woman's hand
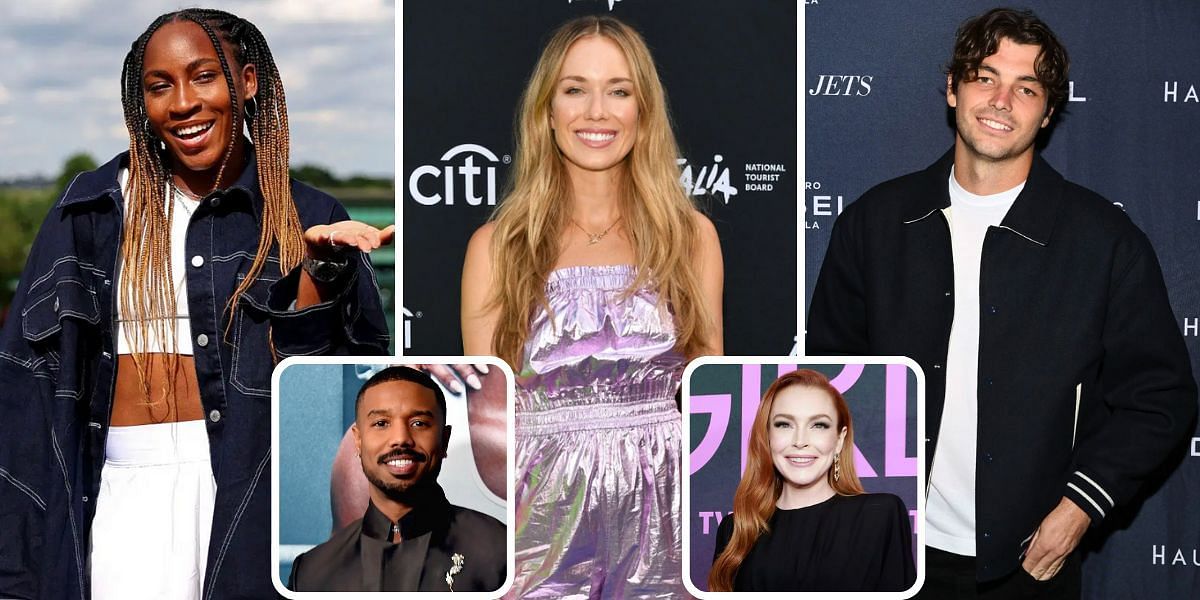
449	375
325	242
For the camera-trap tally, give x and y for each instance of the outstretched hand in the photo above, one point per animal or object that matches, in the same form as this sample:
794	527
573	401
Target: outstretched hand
325	241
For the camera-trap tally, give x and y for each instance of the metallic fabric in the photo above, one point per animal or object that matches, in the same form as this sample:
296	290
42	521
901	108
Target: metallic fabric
598	443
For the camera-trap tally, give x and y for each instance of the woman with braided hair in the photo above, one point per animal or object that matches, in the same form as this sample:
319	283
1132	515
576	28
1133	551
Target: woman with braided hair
161	291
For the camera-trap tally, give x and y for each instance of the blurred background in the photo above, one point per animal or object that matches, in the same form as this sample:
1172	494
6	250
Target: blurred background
60	105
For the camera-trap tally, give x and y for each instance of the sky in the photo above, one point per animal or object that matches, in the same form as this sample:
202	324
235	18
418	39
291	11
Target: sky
60	85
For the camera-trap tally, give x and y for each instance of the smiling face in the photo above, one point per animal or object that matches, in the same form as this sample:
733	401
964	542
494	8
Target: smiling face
401	437
804	436
187	97
594	109
999	113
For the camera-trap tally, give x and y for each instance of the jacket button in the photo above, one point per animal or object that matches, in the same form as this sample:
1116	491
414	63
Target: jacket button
197	261
85	499
937	366
56	305
214	415
987	458
202	340
215	202
987	536
992	309
987	381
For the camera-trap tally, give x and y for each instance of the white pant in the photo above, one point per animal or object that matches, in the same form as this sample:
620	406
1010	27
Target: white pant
153	514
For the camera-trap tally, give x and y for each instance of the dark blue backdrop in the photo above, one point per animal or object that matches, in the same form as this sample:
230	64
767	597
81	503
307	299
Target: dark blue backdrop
1131	132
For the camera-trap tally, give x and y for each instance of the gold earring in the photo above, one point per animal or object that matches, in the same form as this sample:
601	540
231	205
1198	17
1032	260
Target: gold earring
837	466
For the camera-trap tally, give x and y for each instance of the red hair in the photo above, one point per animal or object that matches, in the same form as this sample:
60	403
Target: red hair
761	484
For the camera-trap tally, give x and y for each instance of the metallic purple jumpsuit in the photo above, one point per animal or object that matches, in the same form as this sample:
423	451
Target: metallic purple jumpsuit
598	443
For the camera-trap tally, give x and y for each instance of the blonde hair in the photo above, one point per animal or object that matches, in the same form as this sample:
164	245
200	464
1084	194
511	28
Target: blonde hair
657	214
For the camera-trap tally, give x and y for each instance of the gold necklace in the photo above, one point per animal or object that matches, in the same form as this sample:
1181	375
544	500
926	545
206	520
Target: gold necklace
594	238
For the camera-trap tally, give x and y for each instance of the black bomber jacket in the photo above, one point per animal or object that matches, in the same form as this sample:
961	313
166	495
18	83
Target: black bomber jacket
1085	385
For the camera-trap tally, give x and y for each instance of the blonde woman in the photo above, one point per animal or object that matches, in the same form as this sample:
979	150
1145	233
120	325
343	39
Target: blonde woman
597	279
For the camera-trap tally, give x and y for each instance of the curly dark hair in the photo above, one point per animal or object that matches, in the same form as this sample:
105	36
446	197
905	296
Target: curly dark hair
979	37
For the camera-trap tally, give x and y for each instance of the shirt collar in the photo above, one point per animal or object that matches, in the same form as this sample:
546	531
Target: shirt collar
1033	213
432	514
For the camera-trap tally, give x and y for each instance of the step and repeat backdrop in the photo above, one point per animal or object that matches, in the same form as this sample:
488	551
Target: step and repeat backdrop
729	69
876	109
721	403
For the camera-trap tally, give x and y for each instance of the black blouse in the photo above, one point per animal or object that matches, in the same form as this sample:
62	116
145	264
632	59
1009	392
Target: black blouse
846	543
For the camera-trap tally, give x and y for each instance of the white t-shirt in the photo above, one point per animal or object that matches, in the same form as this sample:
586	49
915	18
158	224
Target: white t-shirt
184	207
950	510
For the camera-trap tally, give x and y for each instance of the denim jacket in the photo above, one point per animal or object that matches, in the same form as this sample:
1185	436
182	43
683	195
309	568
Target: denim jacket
58	368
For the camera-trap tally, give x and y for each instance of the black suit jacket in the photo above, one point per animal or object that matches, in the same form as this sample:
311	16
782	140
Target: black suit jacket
359	558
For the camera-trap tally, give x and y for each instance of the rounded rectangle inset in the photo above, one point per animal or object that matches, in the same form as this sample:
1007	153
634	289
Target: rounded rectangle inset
408	463
804	474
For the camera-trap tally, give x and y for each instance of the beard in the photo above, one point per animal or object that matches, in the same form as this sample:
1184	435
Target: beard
404	490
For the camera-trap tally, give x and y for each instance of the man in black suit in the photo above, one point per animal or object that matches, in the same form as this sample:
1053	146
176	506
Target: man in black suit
411	538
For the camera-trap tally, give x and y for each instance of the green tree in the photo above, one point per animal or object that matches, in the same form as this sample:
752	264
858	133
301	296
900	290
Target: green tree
315	176
76	163
21	213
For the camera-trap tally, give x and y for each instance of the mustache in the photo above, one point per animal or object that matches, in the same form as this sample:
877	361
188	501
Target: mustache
403	453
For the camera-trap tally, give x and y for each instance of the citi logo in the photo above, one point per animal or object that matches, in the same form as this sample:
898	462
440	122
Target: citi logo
842	85
712	179
438	184
1171	92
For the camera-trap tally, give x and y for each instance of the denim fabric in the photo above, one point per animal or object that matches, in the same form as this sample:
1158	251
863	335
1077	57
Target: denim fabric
58	367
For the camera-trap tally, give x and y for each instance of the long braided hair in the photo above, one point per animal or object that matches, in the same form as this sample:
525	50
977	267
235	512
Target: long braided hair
147	292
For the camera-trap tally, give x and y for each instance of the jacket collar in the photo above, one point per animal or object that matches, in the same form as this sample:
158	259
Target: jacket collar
93	185
432	514
1033	213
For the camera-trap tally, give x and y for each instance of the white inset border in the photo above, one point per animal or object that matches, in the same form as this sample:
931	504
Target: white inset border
802	362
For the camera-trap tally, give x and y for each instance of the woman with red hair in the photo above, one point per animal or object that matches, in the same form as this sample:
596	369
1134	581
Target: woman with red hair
801	521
